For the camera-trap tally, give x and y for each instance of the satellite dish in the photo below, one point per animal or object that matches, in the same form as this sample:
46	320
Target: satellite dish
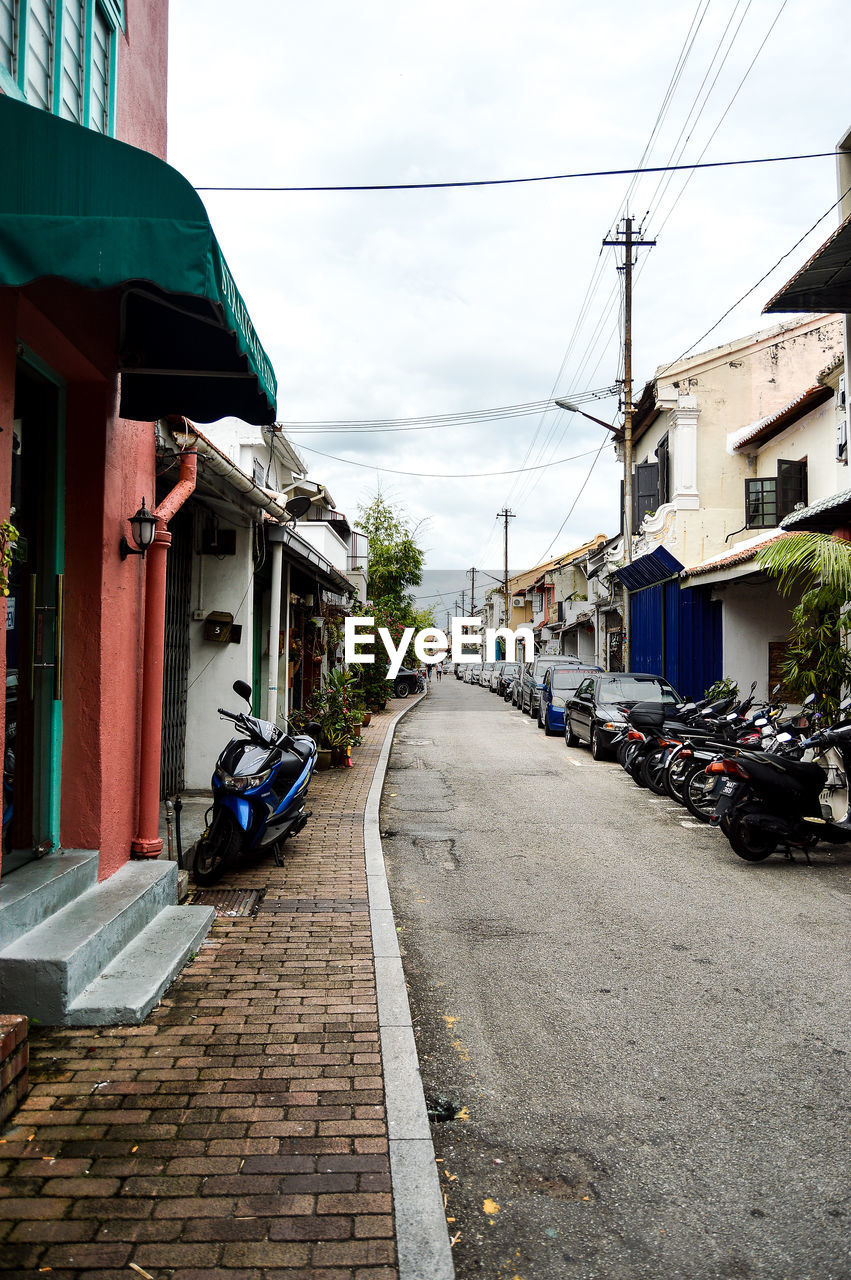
297	507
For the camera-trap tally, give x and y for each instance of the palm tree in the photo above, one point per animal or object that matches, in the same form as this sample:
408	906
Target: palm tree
817	660
805	559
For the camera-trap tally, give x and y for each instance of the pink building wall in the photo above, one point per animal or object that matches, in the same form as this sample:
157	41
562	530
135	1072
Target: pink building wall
110	466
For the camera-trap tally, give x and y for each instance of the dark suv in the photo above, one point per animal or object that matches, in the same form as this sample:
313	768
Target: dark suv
533	678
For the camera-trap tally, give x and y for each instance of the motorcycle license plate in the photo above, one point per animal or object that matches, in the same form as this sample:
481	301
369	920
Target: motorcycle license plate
729	788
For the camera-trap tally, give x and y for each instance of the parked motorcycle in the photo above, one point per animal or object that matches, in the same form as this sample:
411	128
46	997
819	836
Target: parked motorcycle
770	799
259	789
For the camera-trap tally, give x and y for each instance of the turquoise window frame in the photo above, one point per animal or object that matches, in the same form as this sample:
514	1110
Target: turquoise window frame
15	87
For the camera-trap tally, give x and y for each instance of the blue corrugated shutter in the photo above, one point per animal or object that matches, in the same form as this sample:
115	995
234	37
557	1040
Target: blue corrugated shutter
701	657
672	633
647	621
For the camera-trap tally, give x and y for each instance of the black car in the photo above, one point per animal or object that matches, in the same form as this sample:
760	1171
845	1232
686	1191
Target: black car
407	682
595	713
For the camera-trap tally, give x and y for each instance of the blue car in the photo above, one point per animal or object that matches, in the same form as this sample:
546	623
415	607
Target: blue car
560	683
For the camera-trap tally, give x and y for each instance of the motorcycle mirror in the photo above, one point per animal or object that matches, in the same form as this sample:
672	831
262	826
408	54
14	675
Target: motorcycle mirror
243	689
784	737
732	716
810	699
753	687
843	706
775	691
760	721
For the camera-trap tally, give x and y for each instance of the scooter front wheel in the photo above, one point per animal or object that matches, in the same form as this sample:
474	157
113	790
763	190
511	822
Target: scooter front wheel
216	848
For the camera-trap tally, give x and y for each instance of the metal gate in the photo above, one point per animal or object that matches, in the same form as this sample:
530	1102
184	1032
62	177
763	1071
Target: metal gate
178	587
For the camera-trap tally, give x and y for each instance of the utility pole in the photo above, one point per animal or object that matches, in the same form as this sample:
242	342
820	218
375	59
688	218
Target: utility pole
472	592
626	241
505	515
463	594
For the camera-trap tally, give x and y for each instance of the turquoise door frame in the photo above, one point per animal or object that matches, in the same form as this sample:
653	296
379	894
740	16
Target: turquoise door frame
46	602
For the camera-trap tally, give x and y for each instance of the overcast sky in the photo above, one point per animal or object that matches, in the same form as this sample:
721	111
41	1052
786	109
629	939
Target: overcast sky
399	304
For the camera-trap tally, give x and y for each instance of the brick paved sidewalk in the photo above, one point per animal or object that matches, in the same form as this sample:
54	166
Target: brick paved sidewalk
239	1132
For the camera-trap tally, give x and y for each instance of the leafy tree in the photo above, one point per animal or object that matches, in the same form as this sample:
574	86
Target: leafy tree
395	559
817	660
395	565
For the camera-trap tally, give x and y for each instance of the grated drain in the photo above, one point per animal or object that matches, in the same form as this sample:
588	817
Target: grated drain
229	902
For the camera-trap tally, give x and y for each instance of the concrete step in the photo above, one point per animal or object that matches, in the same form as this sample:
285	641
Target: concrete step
44	970
40	888
132	984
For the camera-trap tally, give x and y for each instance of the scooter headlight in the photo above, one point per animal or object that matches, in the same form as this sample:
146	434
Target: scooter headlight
240	785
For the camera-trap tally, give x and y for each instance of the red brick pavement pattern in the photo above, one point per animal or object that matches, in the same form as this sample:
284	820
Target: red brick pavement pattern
239	1133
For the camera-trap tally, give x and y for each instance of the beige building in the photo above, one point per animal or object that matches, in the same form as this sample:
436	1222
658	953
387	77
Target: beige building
715	461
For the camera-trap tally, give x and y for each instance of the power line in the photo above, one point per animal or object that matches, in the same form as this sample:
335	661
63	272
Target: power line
439	475
754	287
573	504
548	177
433	421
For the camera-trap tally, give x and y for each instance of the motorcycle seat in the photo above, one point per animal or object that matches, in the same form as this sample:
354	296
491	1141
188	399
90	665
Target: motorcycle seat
302	746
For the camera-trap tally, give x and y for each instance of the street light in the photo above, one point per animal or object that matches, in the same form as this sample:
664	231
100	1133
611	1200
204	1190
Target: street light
574	408
627	473
627	501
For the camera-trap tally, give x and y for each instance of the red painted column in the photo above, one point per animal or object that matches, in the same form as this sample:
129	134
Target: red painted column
148	843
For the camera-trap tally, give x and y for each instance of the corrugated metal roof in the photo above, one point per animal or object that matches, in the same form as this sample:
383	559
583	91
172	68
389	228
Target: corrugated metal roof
824	516
647	570
824	282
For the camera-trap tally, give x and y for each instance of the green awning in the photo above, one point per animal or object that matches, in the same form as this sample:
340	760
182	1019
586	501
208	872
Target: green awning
104	215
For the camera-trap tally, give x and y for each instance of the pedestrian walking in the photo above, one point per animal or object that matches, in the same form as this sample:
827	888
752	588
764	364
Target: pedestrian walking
439	670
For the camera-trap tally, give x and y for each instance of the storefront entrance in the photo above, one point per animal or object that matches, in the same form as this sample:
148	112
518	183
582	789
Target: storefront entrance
34	622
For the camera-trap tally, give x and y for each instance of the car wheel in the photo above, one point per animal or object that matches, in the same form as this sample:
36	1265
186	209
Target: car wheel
598	751
548	730
570	738
402	689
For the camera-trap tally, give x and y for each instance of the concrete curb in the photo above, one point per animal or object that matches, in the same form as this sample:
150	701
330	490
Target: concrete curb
422	1237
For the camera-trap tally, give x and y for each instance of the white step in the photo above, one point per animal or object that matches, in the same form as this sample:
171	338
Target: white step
44	970
132	984
40	888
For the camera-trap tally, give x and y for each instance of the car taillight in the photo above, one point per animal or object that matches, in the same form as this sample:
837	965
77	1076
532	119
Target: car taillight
726	766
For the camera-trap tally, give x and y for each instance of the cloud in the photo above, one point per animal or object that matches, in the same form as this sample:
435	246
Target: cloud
394	304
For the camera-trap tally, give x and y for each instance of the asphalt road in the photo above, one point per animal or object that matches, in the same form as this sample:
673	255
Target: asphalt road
644	1035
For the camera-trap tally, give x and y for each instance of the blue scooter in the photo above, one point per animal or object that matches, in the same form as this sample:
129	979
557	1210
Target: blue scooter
259	789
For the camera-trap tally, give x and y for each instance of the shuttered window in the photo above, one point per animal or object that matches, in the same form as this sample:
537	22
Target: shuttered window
72	69
60	56
101	69
645	492
41	34
769	499
9	36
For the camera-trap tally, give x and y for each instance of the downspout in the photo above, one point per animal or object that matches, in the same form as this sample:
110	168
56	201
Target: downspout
274	632
148	843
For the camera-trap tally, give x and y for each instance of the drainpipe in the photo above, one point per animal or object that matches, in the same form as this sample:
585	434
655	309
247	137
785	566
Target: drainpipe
147	843
274	632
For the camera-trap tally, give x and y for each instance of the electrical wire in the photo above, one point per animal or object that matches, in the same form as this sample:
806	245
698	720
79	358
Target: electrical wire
506	182
573	504
435	421
439	475
754	287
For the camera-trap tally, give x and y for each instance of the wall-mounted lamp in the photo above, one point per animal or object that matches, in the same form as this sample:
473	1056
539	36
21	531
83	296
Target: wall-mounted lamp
143	526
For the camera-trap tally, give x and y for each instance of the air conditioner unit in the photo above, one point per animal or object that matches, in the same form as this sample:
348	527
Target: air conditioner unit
517	602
